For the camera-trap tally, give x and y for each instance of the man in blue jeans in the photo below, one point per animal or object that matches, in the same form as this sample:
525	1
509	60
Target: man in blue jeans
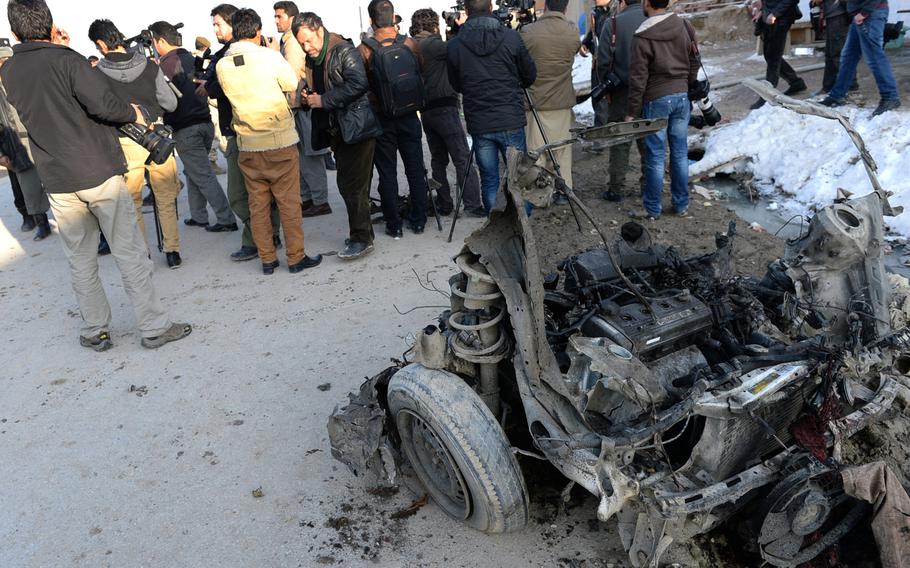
664	64
865	38
489	65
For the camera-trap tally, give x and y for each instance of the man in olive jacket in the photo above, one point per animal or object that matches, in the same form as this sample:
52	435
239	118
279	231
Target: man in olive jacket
553	40
342	118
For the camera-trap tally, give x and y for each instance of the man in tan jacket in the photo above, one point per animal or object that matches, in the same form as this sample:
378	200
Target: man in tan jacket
553	40
314	184
256	81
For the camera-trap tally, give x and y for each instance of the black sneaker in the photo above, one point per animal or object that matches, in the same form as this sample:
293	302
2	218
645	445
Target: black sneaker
268	268
831	102
416	229
444	211
886	105
611	195
28	224
194	223
796	87
394	233
307	262
245	253
173	259
219	228
104	248
475	212
100	342
354	250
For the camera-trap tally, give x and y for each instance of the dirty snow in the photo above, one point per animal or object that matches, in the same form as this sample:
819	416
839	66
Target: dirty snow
800	161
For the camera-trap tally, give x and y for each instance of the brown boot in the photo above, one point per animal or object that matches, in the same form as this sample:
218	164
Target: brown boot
317	210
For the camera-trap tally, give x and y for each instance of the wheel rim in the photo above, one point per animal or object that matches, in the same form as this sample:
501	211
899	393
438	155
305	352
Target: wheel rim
434	465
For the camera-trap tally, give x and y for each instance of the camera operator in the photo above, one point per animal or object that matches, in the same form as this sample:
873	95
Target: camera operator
236	190
16	156
314	184
664	63
614	57
441	120
137	80
393	62
342	118
603	10
68	108
255	79
777	17
489	65
553	41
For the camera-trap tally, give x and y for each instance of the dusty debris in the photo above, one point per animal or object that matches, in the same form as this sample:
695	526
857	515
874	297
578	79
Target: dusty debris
411	509
258	493
139	391
325	387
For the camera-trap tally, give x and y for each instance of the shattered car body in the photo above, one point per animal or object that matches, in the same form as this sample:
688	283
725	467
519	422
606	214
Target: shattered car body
675	391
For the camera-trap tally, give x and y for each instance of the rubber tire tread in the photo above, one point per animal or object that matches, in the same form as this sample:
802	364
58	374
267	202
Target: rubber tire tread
475	440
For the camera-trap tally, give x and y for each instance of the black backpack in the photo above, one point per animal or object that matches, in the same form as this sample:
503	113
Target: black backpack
397	76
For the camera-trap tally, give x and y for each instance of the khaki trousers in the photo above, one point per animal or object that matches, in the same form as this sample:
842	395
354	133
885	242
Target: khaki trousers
274	174
165	186
557	125
80	218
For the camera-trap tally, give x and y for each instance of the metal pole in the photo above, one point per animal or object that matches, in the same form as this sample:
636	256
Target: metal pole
460	198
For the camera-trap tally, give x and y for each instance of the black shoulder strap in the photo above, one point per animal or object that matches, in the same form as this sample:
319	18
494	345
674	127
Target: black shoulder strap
372	43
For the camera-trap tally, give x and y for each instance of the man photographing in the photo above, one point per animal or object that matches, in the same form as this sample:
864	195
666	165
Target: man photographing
67	108
137	80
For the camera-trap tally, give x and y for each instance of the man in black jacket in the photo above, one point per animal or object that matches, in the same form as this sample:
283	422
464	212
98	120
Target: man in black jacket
776	19
137	80
342	119
441	120
209	86
67	108
490	66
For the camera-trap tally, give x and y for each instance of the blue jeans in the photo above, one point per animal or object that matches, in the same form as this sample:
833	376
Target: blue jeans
866	40
487	150
677	108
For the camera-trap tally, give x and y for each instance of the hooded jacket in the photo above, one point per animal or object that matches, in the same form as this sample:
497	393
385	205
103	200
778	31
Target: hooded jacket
69	110
664	60
490	66
178	66
137	80
553	40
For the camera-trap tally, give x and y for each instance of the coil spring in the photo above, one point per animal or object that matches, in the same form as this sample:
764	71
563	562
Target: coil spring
479	338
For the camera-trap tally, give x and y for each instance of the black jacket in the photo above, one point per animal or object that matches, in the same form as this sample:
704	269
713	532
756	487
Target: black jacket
435	73
490	66
618	57
213	88
344	87
68	109
786	11
179	66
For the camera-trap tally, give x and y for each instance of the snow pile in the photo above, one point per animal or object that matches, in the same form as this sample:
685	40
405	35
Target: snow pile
801	160
581	78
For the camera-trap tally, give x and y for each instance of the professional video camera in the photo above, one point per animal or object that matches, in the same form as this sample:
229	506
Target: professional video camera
698	94
451	17
157	139
515	11
142	42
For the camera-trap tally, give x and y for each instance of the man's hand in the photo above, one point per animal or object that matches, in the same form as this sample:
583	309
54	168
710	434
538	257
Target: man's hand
629	119
583	51
461	19
314	101
859	19
771	20
272	43
5	162
140	118
200	89
60	37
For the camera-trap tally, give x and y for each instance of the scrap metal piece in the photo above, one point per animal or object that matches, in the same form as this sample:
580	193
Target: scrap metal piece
617	133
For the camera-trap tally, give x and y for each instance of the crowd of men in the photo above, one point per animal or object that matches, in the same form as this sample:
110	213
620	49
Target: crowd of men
285	105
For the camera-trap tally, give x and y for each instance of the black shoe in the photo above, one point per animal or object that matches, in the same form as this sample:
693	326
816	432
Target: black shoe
219	228
796	87
394	233
757	104
444	211
245	253
44	228
307	262
173	259
416	229
611	195
330	163
317	210
304	205
100	342
104	248
194	223
475	212
28	224
276	240
148	200
354	250
830	101
268	268
884	106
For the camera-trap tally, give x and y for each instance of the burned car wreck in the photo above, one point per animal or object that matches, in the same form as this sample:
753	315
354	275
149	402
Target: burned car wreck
675	391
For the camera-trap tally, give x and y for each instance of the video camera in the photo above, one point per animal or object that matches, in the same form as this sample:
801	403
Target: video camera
510	11
698	94
157	140
451	17
142	42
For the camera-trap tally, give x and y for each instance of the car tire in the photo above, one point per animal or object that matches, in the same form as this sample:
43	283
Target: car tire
458	450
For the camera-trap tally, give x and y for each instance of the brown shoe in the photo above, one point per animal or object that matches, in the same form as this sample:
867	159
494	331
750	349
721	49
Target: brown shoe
317	210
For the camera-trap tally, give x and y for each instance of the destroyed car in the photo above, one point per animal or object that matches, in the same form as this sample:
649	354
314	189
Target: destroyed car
674	390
